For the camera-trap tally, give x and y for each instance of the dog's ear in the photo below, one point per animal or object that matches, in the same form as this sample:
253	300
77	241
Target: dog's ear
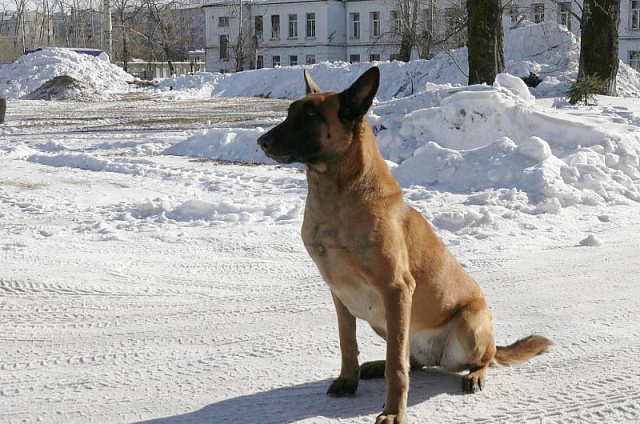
356	100
312	87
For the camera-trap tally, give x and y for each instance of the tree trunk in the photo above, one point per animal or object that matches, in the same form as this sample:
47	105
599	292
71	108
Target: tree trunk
406	45
485	41
125	50
599	42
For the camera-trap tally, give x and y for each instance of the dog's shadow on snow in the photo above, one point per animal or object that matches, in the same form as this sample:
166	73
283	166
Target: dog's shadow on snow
295	403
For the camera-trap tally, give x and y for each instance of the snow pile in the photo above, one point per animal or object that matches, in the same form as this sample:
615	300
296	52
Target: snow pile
234	145
591	241
494	144
198	85
547	50
31	71
490	140
287	83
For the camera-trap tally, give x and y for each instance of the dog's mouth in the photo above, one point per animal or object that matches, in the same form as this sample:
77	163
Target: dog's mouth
283	159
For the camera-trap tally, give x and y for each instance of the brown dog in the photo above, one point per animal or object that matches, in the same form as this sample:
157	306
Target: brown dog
381	259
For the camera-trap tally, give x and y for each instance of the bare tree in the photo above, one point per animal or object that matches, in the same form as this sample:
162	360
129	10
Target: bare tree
20	30
242	49
162	31
127	13
426	26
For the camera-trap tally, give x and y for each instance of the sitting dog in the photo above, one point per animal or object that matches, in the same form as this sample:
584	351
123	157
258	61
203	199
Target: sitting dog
381	259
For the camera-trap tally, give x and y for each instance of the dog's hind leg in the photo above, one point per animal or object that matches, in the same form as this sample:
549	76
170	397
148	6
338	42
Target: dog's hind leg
471	345
347	382
375	369
371	370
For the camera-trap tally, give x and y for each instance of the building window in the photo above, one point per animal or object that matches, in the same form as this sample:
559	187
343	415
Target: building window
293	25
223	22
376	29
354	58
635	14
310	59
394	56
634	60
258	27
396	22
564	14
355	25
374	57
427	23
293	60
275	60
259	62
538	12
224	47
275	27
311	25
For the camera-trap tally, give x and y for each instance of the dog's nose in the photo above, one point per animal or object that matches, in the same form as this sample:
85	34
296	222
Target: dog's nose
265	141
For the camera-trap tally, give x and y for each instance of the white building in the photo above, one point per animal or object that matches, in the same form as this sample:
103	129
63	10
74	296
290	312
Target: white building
285	32
293	32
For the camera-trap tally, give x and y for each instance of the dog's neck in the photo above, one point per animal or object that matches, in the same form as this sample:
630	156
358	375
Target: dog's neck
359	170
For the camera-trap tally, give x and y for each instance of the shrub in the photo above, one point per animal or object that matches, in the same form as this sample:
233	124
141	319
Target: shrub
585	90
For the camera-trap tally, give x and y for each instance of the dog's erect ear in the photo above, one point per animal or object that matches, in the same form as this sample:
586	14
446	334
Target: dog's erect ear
312	87
356	100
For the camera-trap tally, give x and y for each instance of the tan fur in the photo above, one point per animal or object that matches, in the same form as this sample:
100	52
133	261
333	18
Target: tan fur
522	350
384	264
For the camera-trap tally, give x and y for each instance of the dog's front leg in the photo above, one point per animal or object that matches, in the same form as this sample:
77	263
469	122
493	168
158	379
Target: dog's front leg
397	303
347	383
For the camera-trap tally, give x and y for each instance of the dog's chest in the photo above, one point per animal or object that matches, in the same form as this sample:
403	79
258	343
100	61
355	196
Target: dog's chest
338	259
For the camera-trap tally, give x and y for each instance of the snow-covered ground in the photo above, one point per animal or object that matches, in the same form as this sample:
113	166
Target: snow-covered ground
143	280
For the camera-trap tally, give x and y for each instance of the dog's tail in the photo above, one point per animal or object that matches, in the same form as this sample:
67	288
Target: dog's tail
522	350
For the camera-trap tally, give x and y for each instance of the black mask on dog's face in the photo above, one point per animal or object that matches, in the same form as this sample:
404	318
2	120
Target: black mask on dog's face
317	126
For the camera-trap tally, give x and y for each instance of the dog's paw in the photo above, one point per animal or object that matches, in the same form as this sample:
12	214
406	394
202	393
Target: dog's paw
472	383
341	387
390	419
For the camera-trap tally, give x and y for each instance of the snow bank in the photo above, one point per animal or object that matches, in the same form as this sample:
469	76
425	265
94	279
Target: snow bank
547	50
398	80
490	139
234	145
31	71
494	144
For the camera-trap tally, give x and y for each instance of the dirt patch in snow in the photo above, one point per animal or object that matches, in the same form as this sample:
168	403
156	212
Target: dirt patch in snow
65	87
